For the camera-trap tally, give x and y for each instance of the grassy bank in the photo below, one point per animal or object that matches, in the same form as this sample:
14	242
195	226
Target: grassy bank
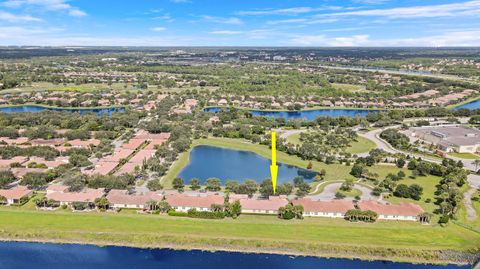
399	241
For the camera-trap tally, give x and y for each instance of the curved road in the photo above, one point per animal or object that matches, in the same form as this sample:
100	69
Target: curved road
329	191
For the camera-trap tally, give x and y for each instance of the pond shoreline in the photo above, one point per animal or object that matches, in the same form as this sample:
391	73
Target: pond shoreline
337	253
64	108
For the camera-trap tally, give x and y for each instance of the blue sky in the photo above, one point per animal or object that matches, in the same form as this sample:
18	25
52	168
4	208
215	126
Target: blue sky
240	22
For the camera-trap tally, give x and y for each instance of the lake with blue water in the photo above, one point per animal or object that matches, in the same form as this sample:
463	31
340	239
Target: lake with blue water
222	163
472	105
309	115
21	255
31	109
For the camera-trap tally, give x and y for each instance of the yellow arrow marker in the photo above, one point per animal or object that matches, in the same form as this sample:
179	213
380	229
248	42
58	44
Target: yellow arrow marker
274	167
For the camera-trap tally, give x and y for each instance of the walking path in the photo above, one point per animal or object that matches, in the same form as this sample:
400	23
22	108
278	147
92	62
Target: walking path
474	182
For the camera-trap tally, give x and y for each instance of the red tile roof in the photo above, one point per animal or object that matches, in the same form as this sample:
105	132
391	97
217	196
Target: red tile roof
200	200
20	172
87	195
57	188
15	193
84	143
19	140
133	143
17	159
127	168
335	206
48	142
50	164
122	197
118	155
142	155
402	209
102	168
155	142
273	203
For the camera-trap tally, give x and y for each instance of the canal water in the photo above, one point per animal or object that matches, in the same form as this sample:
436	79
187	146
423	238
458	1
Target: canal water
21	255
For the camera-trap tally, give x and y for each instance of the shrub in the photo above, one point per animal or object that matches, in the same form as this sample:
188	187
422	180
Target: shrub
444	219
174	213
79	206
193	213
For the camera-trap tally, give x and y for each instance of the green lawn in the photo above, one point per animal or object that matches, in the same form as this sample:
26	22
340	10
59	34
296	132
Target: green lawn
362	145
469	156
294	138
428	183
349	87
312	236
352	193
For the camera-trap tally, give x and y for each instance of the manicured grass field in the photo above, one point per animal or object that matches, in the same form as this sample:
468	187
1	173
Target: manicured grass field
470	156
349	87
294	138
362	145
313	236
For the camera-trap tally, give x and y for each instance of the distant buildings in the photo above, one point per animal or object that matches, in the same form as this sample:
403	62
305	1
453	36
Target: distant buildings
459	139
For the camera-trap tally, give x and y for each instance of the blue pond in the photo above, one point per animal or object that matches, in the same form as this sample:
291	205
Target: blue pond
472	105
15	255
305	114
208	161
30	108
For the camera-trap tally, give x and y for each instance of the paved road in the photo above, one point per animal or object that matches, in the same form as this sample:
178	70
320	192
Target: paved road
329	191
286	133
474	182
374	135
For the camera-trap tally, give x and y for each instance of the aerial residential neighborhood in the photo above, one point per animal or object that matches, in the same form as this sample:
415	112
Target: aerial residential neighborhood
248	134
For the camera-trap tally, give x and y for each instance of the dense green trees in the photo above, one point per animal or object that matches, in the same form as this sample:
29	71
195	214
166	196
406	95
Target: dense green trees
395	138
359	215
178	184
290	211
6	177
413	191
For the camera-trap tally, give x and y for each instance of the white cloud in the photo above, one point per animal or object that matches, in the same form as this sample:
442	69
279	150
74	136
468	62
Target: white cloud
371	2
292	10
302	21
284	11
77	13
225	32
230	20
9	17
447	39
50	5
322	40
17	31
158	29
445	10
